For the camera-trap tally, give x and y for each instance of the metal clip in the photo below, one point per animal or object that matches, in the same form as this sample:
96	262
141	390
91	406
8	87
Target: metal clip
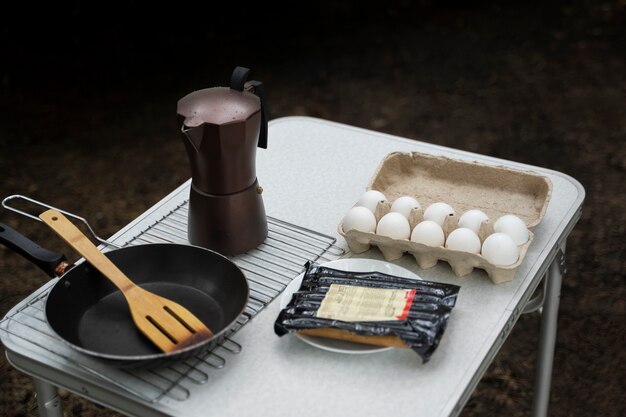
5	204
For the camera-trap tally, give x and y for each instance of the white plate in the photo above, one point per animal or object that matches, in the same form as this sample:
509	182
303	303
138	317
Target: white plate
347	264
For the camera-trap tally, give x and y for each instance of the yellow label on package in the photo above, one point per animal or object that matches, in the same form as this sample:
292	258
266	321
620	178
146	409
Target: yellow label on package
353	303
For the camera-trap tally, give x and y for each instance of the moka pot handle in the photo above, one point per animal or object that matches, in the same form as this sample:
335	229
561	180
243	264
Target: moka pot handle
238	82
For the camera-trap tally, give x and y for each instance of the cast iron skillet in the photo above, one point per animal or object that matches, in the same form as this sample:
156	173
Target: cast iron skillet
86	310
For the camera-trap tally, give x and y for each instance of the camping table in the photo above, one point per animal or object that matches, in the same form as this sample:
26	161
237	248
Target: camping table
312	173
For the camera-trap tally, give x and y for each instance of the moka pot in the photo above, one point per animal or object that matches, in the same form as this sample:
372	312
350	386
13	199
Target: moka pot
221	128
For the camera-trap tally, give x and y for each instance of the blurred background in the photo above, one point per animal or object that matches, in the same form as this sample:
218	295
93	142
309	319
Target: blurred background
88	98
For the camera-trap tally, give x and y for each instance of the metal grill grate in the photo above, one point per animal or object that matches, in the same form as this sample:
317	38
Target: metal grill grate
268	268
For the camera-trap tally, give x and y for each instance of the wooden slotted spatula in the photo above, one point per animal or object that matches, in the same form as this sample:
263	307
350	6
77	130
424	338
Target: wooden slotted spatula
167	324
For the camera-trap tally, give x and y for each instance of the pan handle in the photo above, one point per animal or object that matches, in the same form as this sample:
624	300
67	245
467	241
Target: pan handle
52	263
5	204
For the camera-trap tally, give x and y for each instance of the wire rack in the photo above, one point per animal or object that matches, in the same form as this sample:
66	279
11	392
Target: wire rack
269	268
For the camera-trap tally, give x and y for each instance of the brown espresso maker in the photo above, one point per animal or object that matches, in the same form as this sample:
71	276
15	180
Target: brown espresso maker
221	129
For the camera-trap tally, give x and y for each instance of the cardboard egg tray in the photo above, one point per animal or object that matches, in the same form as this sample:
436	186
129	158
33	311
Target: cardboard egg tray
496	190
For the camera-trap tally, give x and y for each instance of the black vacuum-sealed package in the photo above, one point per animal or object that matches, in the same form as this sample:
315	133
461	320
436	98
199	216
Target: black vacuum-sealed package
369	307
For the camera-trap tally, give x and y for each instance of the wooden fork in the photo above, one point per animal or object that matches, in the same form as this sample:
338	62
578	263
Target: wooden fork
167	324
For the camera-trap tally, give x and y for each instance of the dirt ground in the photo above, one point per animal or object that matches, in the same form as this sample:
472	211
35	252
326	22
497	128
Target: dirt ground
87	123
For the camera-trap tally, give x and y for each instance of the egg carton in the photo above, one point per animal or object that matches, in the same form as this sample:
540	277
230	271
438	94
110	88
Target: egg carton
464	185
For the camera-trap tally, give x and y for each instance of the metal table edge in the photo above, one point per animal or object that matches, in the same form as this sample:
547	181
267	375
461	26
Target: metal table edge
118	402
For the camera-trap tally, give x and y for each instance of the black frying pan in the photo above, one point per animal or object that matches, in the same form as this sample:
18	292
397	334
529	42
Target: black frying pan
89	313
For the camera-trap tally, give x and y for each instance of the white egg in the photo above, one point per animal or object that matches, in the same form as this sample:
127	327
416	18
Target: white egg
437	212
500	249
472	219
404	205
428	233
464	240
370	200
359	218
512	226
394	225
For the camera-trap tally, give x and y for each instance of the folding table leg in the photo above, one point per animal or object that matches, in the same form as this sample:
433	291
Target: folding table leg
547	336
48	400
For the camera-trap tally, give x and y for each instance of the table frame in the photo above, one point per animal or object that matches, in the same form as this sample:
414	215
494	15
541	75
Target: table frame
547	302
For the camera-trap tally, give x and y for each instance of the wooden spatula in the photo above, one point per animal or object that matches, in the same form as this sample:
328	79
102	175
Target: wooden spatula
167	324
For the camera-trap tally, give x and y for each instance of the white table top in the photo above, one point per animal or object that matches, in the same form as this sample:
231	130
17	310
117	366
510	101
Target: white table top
312	172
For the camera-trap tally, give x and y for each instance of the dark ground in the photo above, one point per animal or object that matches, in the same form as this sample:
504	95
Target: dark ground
87	123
